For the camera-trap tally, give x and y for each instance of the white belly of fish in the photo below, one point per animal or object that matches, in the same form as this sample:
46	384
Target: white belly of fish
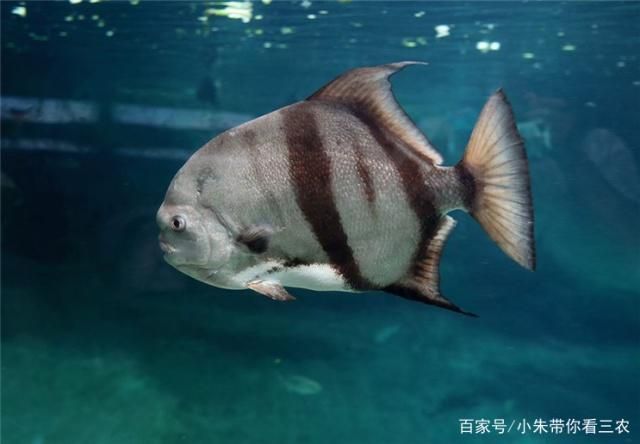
319	277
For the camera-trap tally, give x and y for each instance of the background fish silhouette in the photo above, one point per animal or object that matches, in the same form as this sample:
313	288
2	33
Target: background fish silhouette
342	192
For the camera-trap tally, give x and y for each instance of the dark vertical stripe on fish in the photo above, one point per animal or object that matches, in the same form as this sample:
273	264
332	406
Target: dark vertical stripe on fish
365	175
412	177
249	137
310	173
468	182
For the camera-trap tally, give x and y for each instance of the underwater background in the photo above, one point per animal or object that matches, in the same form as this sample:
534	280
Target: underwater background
103	342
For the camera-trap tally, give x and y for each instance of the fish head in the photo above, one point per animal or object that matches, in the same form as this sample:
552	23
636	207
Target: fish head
191	237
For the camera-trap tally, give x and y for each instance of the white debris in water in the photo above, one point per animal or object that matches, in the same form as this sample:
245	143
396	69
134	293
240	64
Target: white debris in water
19	10
75	2
242	10
68	18
528	55
569	47
323	12
109	33
267	45
636	83
442	31
94	1
412	42
409	43
285	30
621	64
419	14
305	4
482	46
311	16
266	2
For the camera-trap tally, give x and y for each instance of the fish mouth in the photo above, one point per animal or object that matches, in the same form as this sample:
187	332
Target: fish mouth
165	247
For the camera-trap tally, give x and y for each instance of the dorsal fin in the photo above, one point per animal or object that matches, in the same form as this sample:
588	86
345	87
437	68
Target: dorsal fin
368	91
424	285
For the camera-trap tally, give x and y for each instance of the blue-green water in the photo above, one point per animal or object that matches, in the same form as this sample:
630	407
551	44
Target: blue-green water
103	342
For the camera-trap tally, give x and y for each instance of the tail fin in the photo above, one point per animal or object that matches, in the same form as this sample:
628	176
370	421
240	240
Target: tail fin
497	177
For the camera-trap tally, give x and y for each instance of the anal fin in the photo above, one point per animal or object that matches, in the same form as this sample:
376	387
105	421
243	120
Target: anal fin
271	289
424	285
420	295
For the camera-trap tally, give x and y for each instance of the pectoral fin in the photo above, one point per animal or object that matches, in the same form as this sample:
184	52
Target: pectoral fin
256	238
270	289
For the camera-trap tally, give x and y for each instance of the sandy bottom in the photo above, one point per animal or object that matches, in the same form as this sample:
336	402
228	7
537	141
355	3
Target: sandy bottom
84	364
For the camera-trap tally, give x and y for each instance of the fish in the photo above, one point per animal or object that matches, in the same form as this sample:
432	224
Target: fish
386	333
342	192
207	91
537	133
300	385
615	162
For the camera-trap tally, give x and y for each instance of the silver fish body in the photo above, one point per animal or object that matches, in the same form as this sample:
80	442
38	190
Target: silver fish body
342	192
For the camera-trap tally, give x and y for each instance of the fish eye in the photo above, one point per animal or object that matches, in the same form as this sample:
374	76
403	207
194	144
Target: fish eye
178	223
